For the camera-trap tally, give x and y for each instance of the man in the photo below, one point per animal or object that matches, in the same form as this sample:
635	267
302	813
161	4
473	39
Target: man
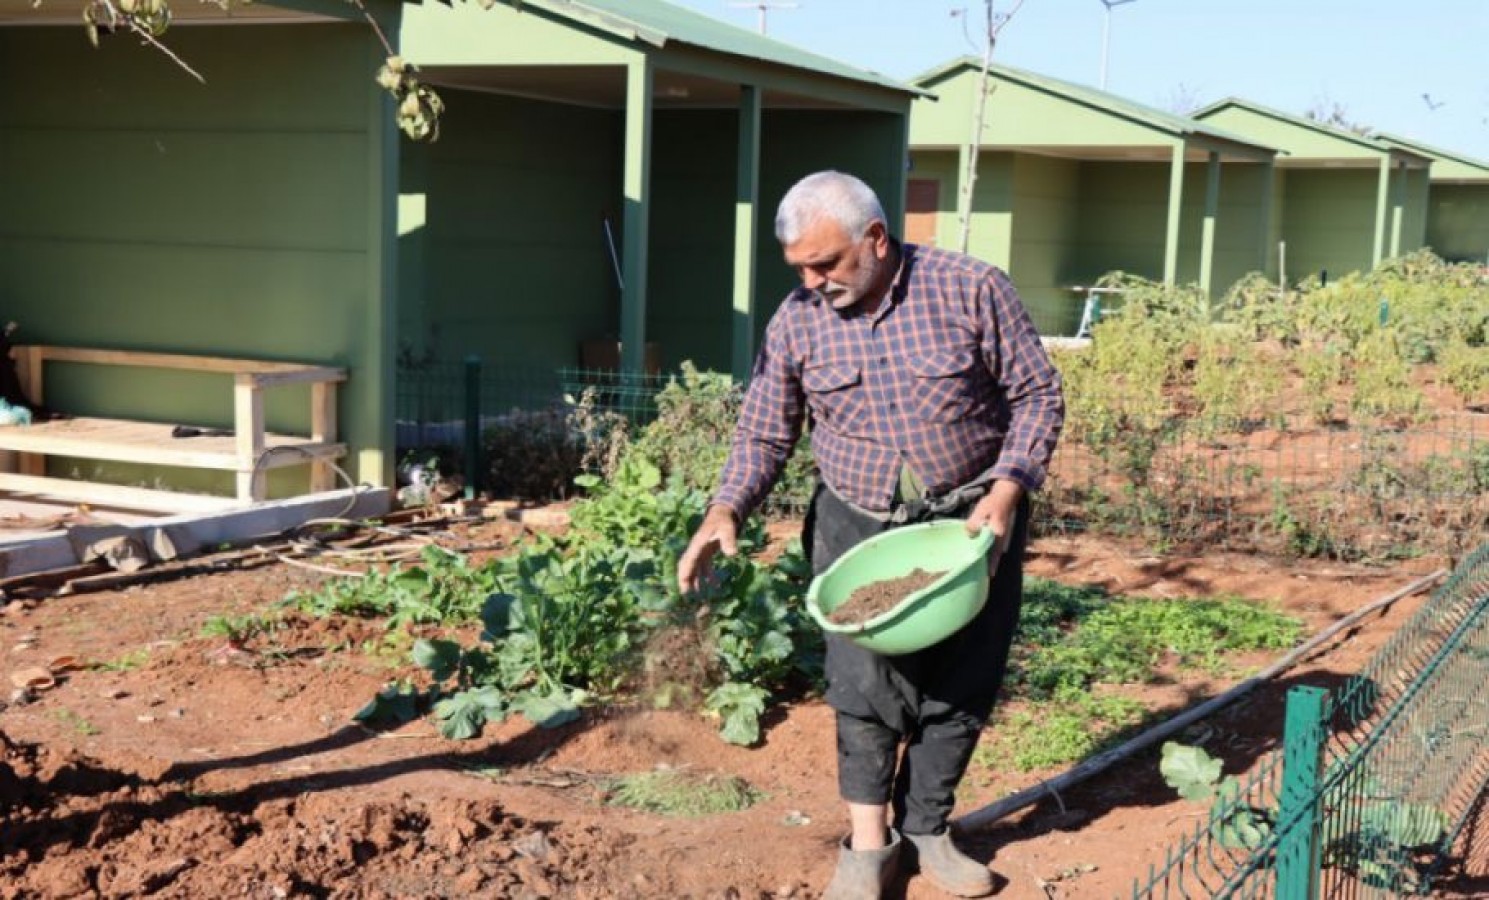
929	395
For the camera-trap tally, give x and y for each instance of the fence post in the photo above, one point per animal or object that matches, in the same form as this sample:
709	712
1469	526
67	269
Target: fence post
1302	745
472	424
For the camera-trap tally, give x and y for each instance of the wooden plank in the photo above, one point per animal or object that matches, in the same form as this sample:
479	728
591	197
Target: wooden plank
313	375
248	423
190	532
187	362
322	431
151	442
114	495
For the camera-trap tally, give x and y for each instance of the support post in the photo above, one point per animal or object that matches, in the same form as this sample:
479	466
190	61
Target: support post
472	425
1398	207
1269	189
248	432
30	366
322	431
1298	815
637	188
1207	239
746	221
1382	200
1175	211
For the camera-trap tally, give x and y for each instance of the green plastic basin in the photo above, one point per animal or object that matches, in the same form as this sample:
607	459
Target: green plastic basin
924	617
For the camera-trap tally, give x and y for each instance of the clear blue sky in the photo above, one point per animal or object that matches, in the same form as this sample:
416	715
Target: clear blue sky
1373	58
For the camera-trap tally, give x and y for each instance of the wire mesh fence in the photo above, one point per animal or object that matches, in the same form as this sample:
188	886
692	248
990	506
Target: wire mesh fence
1289	484
1376	784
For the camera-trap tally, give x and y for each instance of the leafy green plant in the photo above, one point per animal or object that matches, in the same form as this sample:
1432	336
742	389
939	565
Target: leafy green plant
445	588
1064	729
1465	369
1121	641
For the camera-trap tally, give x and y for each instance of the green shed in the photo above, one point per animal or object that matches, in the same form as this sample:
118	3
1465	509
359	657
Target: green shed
601	174
1457	202
609	170
1342	202
1074	182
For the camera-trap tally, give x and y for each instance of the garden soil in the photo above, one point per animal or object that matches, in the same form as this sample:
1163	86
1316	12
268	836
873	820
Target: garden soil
179	765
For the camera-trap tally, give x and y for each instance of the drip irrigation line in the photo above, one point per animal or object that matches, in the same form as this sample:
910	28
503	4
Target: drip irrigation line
1102	761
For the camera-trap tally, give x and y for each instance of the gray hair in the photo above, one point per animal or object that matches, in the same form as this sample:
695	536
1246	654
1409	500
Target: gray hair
835	195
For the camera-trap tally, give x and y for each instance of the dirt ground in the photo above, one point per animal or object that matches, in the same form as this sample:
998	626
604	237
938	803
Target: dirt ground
173	764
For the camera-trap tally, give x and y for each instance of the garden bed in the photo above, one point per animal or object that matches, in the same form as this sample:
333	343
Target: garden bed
186	759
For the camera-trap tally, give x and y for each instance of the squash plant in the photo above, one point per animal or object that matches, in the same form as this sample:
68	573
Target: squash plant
569	615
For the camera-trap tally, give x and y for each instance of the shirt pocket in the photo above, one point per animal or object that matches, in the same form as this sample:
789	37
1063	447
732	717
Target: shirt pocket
836	395
945	384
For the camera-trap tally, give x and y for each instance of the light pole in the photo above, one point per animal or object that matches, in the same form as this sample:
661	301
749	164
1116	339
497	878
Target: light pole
1106	34
765	6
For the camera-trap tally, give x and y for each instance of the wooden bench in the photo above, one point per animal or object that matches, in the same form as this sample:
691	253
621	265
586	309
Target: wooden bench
248	451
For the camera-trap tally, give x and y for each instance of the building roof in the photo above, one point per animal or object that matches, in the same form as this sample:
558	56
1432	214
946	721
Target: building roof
659	23
1104	101
1451	165
1363	140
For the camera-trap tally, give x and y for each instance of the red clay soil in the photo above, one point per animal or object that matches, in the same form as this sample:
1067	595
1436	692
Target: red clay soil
185	766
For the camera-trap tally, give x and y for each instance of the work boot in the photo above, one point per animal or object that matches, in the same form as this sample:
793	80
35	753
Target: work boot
864	874
948	868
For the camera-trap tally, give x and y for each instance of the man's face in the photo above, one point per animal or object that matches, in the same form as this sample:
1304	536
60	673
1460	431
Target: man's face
842	271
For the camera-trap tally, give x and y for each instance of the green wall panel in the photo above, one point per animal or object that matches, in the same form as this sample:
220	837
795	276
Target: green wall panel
689	312
515	266
1458	221
1328	221
140	209
1123	217
1414	223
1045	223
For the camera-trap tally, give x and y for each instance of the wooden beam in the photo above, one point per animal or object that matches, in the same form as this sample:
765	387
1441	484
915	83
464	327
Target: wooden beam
31	370
209	364
118	440
248	426
308	375
322	431
117	496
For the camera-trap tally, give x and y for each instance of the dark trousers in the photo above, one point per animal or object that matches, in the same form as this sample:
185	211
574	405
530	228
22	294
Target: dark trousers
933	701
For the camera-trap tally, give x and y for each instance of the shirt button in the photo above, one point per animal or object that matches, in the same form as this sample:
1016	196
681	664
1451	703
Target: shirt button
883	360
893	405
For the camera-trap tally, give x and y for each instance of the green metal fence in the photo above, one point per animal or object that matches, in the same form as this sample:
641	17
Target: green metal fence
1376	783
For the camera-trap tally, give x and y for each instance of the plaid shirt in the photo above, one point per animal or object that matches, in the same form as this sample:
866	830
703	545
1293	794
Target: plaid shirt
947	376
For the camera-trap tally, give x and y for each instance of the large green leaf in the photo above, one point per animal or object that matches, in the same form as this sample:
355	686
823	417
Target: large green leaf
393	705
547	710
1189	770
740	706
440	657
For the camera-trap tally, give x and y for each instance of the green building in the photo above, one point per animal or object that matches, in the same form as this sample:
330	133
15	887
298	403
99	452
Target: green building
1342	202
1457	202
1074	182
606	170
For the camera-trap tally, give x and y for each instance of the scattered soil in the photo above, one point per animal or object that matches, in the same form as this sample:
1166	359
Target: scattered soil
878	597
185	766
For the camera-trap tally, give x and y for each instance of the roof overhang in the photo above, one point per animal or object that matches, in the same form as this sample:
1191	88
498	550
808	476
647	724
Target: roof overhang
70	13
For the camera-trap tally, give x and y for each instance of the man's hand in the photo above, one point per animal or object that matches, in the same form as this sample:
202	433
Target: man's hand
719	531
997	511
